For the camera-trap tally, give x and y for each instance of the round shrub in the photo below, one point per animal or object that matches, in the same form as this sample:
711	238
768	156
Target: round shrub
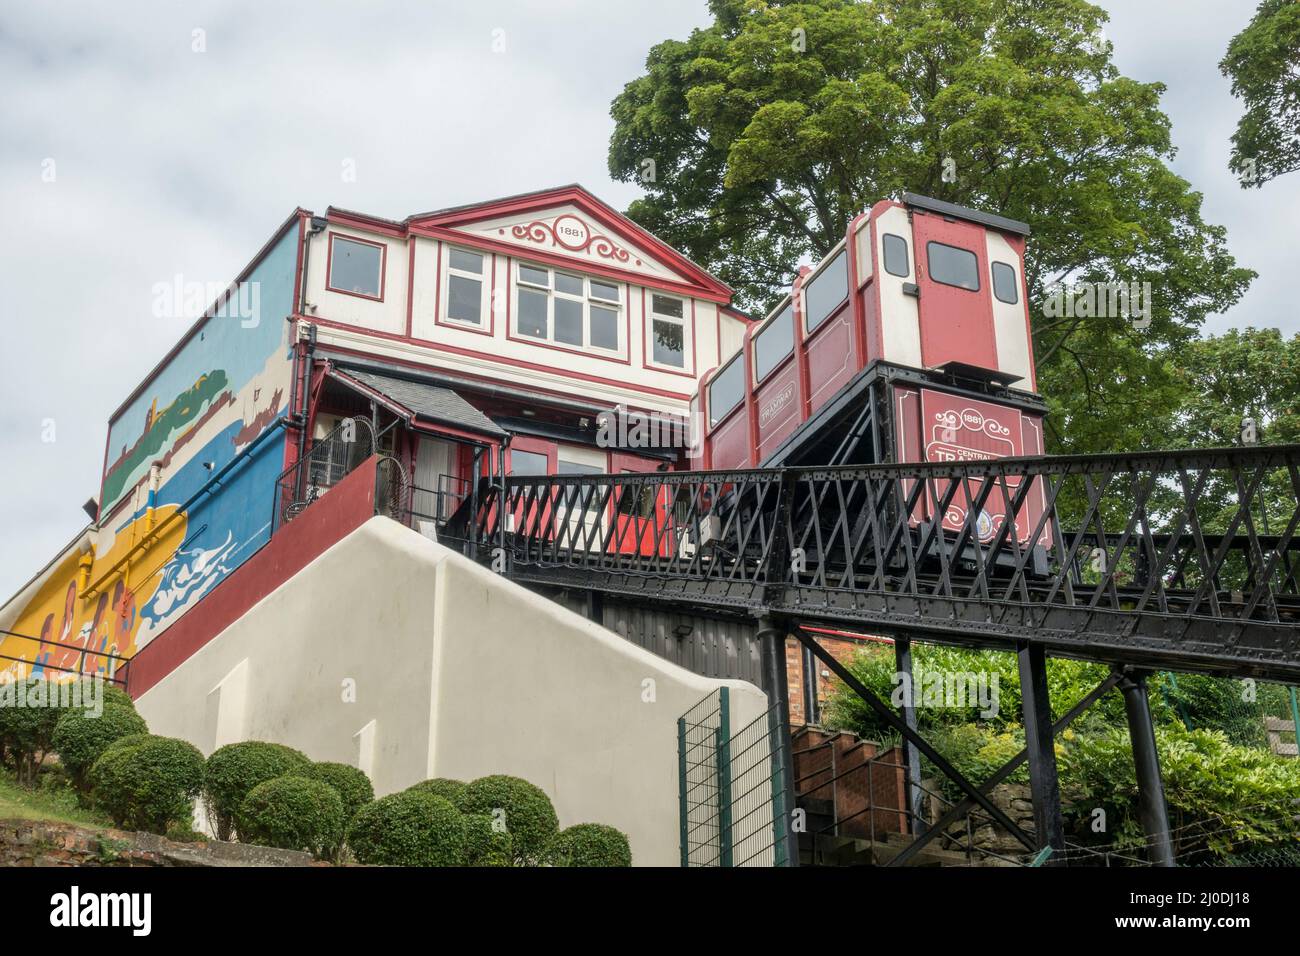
80	737
235	769
485	844
453	791
292	813
352	785
30	708
590	844
148	785
408	829
529	816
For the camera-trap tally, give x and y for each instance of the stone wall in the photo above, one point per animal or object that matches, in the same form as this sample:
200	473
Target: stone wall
39	843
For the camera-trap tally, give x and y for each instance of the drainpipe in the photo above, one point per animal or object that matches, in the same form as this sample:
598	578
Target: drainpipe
155	475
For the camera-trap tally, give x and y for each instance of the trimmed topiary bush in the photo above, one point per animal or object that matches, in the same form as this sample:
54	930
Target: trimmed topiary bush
30	709
293	813
529	816
590	844
148	785
352	785
235	769
80	738
453	791
486	845
408	829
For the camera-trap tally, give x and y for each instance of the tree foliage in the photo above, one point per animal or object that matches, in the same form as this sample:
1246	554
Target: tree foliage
768	130
1263	62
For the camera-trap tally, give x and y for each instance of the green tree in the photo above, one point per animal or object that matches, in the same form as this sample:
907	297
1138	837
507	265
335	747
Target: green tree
768	130
1263	62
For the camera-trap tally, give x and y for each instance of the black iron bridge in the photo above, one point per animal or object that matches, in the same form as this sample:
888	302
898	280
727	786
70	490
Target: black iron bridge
1180	560
1162	560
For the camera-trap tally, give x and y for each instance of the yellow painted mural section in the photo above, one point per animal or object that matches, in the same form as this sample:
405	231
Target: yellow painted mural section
89	604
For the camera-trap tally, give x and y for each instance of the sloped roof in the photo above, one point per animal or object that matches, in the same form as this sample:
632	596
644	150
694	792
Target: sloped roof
432	402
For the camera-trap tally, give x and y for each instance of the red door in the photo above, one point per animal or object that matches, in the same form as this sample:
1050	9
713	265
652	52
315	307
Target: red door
642	523
956	305
529	457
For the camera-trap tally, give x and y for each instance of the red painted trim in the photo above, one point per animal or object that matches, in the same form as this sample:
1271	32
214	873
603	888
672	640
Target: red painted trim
329	262
592	206
459	326
348	505
855	293
410	285
572	262
356	220
472	353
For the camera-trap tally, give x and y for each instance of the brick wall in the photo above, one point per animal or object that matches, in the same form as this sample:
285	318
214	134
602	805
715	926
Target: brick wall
841	648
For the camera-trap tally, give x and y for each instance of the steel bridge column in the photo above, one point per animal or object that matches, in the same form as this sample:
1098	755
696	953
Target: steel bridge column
772	641
1044	784
1146	761
915	795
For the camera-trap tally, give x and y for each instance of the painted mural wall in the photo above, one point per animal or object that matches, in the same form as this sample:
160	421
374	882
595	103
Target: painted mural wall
169	533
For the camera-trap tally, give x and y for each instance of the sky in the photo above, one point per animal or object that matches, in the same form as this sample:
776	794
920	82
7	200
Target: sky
130	156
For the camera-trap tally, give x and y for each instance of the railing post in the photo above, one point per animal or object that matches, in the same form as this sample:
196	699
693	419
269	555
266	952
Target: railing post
722	766
681	790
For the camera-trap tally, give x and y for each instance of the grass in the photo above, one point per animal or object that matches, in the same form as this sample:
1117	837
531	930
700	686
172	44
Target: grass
50	803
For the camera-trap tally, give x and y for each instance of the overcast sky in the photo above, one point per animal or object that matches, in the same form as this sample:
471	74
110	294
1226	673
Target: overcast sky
167	161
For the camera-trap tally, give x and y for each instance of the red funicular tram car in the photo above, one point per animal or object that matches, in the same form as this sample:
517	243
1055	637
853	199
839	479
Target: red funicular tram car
909	342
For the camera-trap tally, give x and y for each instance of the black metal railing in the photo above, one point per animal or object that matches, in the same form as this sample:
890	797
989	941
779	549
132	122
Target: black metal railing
326	463
1143	556
116	671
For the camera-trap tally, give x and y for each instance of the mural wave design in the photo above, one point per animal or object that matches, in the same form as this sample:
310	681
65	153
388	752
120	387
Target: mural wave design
187	576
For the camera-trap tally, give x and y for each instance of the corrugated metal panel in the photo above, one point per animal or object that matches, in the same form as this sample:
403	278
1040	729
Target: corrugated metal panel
711	647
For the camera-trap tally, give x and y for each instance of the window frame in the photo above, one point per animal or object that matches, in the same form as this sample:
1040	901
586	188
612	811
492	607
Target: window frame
587	299
651	315
929	268
839	251
329	265
1015	281
786	304
884	255
715	420
485	297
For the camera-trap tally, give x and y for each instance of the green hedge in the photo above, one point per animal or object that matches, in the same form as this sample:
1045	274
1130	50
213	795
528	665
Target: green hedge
453	791
527	811
409	829
27	731
80	738
485	843
590	844
235	769
148	785
352	785
293	813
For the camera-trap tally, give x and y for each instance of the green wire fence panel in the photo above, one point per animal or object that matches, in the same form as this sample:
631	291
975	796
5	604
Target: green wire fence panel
730	789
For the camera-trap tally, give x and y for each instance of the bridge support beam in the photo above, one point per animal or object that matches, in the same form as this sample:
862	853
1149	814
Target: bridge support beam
1146	760
915	795
1044	783
771	635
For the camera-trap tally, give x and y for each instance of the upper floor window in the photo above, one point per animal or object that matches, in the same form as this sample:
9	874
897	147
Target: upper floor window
465	286
953	266
569	309
827	290
356	267
774	343
668	330
1004	283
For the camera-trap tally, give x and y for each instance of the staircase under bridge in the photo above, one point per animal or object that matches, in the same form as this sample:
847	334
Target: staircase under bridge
1161	560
